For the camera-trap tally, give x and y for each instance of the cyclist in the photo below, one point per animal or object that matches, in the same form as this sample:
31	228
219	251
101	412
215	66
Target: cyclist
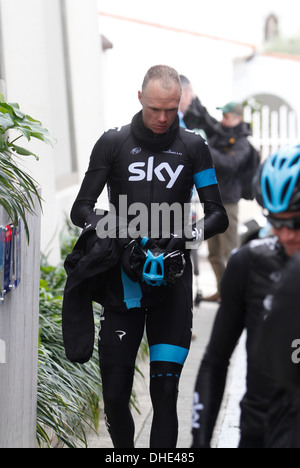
246	286
150	161
278	348
278	344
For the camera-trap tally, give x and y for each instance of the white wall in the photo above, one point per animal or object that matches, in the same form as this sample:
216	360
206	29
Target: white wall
19	329
265	74
37	69
243	21
208	63
24	30
86	76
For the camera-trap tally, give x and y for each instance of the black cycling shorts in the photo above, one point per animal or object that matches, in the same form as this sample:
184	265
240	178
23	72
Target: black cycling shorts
168	328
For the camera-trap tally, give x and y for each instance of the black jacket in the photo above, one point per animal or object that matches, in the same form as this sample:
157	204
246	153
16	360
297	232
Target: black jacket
86	269
280	335
235	161
197	117
278	352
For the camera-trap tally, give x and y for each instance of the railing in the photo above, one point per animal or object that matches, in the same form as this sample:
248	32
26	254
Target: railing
272	129
19	325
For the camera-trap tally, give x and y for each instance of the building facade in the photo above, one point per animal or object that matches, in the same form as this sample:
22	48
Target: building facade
51	65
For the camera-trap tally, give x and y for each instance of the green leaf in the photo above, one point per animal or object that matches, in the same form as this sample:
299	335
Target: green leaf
18	190
22	151
17	111
6	121
3	143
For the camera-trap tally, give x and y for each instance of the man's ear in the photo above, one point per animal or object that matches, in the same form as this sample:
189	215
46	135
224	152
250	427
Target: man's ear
140	96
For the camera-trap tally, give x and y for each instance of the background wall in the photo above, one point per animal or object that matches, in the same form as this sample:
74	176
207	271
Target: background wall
51	59
19	327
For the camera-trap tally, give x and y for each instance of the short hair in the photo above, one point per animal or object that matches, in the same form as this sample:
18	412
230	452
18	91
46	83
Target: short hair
166	75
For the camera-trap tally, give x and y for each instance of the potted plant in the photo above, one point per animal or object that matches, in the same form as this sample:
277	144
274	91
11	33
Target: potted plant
18	190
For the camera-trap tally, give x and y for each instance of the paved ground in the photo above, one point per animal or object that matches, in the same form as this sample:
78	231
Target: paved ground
226	432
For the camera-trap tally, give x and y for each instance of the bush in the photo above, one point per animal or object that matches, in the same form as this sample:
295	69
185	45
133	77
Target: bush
69	395
18	190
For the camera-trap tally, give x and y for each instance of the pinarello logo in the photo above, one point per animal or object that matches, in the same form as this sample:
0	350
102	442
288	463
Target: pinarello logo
135	150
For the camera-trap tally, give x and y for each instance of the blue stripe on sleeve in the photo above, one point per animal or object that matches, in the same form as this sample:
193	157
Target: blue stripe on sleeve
205	178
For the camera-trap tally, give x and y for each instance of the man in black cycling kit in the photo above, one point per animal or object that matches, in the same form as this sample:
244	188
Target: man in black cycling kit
278	342
150	162
279	350
251	274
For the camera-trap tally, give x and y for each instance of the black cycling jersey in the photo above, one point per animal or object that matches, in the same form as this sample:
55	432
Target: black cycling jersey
151	173
281	325
161	171
278	354
247	281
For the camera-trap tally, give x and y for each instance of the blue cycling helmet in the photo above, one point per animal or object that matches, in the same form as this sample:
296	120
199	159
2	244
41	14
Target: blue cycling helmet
153	271
277	185
157	267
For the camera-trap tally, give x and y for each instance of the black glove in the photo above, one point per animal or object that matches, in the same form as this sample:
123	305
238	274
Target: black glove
127	251
125	261
178	239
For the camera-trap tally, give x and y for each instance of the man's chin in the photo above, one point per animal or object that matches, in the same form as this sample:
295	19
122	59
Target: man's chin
159	130
292	250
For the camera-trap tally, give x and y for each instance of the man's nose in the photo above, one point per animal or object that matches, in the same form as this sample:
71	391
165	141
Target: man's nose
162	116
287	234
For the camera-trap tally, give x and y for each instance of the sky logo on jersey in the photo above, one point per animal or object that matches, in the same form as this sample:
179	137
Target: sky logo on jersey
164	172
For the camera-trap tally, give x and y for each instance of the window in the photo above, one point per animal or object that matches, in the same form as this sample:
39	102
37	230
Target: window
271	28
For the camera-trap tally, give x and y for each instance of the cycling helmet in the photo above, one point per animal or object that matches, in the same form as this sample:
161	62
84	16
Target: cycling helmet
154	270
157	267
277	184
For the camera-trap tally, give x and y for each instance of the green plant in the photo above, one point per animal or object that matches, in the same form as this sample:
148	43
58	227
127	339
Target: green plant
18	190
69	395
